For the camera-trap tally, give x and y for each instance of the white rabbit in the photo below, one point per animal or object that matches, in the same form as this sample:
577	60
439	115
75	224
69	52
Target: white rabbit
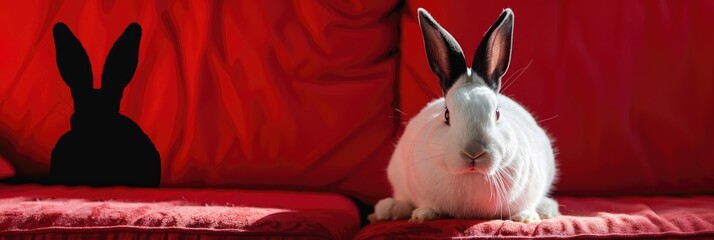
474	153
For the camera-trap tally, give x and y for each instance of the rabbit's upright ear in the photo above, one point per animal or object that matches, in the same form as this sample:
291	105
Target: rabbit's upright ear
72	60
493	54
443	52
122	59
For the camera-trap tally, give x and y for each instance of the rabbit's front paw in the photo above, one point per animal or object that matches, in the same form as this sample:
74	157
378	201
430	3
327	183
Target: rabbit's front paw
424	214
390	209
527	216
548	208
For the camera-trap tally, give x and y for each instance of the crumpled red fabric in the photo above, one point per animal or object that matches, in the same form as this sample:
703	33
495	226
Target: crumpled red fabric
291	94
6	170
625	88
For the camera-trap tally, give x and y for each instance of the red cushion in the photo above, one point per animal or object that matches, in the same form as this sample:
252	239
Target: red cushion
626	88
258	94
6	170
50	212
631	217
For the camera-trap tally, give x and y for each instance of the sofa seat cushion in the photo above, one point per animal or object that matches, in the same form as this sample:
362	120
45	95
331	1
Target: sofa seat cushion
55	212
631	217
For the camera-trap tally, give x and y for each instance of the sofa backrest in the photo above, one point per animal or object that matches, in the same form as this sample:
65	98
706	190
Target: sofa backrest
288	95
626	88
313	95
6	169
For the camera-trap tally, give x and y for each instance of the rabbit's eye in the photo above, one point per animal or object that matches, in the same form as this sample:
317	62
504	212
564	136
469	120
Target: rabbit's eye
498	114
446	117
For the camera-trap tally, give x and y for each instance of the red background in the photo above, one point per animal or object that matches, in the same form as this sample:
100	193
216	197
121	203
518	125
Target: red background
302	94
294	95
626	88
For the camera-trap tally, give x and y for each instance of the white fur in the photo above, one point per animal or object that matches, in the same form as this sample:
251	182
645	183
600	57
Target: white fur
474	166
427	172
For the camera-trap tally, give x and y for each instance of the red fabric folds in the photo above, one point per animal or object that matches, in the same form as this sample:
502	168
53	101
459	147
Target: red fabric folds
6	170
626	88
287	94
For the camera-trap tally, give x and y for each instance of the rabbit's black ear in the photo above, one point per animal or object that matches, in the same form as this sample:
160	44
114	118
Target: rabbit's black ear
493	54
443	52
122	59
72	60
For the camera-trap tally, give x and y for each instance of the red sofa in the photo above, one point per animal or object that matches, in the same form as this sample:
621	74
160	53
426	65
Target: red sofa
276	119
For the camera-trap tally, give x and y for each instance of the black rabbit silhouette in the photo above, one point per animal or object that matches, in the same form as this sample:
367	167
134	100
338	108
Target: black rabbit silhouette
103	147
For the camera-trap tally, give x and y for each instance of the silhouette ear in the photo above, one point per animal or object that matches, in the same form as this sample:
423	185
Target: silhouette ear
493	54
72	60
443	52
122	59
